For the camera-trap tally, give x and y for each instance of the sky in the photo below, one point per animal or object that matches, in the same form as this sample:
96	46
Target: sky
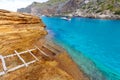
13	5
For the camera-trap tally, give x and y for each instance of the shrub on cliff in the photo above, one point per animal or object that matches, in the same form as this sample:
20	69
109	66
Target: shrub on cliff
117	12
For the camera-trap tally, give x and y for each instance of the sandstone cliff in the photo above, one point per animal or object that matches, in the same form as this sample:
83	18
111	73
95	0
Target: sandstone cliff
19	31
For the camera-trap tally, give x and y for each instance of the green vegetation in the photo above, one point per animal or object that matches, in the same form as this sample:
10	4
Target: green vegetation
117	12
94	6
53	2
102	5
48	3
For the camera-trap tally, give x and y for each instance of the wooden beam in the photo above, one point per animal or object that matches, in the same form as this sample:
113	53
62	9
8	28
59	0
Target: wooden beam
20	66
21	58
33	55
2	73
3	63
42	51
11	55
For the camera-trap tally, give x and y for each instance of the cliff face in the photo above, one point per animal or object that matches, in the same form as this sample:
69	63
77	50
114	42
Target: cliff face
85	8
48	8
19	31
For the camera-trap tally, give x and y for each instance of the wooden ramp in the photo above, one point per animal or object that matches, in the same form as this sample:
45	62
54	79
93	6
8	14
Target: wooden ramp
18	54
48	49
52	48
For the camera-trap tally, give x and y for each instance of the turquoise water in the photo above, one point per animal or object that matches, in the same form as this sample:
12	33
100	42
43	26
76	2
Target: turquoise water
94	44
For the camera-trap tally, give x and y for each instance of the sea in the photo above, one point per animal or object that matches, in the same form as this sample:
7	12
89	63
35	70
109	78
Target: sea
94	44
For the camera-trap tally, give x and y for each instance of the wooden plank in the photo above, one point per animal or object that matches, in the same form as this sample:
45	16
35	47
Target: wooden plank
3	63
42	51
21	58
33	55
15	68
54	45
20	66
2	73
11	55
51	49
31	62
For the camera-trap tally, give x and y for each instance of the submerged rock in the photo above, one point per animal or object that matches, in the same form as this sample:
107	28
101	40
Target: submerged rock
19	31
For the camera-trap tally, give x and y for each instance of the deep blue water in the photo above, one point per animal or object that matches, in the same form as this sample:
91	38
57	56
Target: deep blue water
94	44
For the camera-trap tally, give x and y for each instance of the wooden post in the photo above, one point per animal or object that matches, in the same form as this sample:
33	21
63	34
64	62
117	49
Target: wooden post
3	63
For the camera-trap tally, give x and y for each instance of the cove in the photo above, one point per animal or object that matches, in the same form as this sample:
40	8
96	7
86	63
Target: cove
94	44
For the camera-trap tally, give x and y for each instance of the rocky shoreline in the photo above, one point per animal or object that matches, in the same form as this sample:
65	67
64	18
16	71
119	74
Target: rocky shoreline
105	15
83	14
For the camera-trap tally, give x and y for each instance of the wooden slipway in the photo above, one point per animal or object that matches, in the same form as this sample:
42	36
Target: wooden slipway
48	50
65	61
4	68
25	64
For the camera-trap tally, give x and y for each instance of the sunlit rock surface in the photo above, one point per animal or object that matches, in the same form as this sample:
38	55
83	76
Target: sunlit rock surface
19	31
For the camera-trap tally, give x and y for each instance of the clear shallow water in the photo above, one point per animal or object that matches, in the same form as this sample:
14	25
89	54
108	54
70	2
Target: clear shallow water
94	44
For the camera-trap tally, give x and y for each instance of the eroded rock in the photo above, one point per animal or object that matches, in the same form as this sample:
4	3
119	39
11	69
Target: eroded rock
19	31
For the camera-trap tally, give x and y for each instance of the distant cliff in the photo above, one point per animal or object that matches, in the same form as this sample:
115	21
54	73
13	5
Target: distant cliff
84	8
47	8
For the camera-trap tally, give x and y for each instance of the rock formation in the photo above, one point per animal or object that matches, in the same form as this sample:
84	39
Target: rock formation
50	7
19	31
109	9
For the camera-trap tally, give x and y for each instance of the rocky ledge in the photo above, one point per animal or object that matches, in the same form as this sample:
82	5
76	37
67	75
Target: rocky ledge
19	31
